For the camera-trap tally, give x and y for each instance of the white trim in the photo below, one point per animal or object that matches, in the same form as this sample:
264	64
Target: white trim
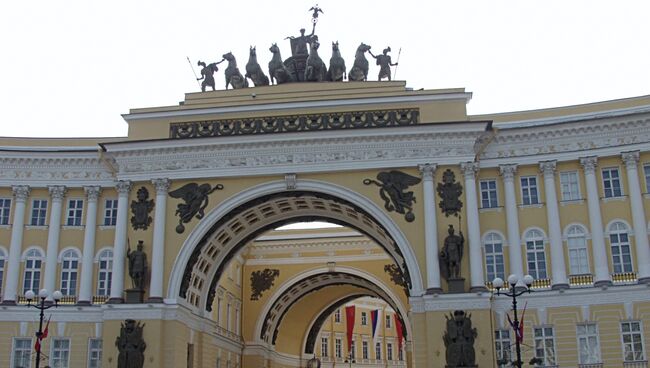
641	332
630	230
64	222
620	180
59	258
13	349
565	232
23	256
544	237
317	260
504	240
99	252
521	192
5	253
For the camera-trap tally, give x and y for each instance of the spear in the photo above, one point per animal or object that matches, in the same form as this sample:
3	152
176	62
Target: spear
193	72
397	62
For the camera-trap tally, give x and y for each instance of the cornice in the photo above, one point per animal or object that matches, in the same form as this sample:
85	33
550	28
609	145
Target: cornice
308	245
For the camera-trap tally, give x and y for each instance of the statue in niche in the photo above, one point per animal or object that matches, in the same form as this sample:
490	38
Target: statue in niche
137	266
449	191
207	74
196	200
141	208
452	254
384	63
459	340
130	345
393	186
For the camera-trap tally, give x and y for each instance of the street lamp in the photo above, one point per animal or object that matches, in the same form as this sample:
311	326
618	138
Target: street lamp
42	306
497	283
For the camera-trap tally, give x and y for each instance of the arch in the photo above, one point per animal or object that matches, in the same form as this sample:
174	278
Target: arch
572	226
369	214
485	235
614	222
29	252
531	231
101	253
68	249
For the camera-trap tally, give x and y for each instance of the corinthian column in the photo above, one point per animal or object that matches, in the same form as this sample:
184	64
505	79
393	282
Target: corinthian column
512	222
631	160
12	270
54	229
86	287
430	229
119	245
157	258
473	228
558	267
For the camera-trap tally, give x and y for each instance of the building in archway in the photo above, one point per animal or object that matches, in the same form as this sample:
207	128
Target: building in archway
561	194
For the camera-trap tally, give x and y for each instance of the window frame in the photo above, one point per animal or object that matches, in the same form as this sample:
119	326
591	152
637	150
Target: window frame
545	359
646	175
27	349
571	185
489	245
324	346
378	350
74	215
29	257
499	348
65	353
542	239
364	319
388	321
389	351
3	261
620	247
337	316
110	218
108	271
5	210
527	189
365	352
69	273
98	350
611	181
35	218
489	195
582	259
640	333
586	336
338	347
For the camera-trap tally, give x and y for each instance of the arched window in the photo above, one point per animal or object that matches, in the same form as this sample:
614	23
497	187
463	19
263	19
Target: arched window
32	279
493	246
69	272
105	271
577	244
620	243
535	256
2	269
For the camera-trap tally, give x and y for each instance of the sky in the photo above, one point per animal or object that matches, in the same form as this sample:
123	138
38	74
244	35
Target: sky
71	68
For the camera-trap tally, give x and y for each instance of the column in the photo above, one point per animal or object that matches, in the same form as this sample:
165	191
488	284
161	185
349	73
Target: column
477	282
512	222
631	160
57	192
119	245
86	287
558	267
21	192
158	253
430	229
601	265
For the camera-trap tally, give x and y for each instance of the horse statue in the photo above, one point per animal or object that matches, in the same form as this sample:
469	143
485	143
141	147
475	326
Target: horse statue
359	71
277	69
233	75
336	72
254	71
316	69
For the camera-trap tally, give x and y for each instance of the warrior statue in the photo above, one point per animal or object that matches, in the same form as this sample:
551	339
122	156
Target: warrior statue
137	266
452	254
384	63
130	345
459	341
207	74
299	43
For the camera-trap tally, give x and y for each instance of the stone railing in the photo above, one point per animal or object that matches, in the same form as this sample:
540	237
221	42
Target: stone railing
624	278
584	280
228	334
590	365
636	364
541	284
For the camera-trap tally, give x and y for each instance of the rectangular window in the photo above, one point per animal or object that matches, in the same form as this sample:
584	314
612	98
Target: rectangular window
489	193
529	194
612	182
32	279
578	257
110	212
69	270
324	346
621	254
503	348
39	210
22	353
536	258
5	208
494	264
364	319
2	269
569	185
364	349
337	316
388	321
75	210
646	173
378	351
337	348
400	354
632	341
94	353
389	351
545	345
353	349
60	355
588	345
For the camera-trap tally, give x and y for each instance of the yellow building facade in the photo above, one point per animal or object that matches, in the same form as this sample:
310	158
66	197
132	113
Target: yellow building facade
561	194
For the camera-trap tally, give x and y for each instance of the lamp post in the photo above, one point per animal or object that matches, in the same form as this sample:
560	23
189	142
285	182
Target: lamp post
497	283
42	306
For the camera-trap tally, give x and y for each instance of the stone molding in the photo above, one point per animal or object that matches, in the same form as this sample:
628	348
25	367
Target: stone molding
589	164
548	168
73	169
630	159
57	192
92	192
428	171
508	171
161	185
21	192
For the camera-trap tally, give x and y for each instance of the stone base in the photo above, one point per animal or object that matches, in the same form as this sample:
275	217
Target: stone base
8	302
478	289
155	299
644	280
83	303
603	283
134	296
560	287
434	291
456	286
113	300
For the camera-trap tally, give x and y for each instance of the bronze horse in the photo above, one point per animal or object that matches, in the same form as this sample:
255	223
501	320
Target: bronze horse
316	69
254	71
277	69
233	75
336	72
359	71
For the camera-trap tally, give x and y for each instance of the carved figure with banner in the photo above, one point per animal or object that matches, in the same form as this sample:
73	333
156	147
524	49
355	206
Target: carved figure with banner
130	345
449	191
459	340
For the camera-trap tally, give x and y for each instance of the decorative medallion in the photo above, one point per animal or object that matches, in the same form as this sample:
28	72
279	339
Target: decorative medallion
393	186
261	281
196	199
449	191
141	208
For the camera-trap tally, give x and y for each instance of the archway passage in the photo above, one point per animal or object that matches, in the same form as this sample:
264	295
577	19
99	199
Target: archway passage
244	223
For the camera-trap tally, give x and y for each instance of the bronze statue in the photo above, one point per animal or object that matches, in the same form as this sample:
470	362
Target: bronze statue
299	43
316	70
130	345
277	69
207	74
254	71
359	71
137	266
195	197
233	75
336	72
452	254
393	186
384	63
313	362
459	340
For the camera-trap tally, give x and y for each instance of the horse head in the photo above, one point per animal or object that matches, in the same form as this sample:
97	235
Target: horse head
314	46
363	47
274	48
335	46
253	53
229	56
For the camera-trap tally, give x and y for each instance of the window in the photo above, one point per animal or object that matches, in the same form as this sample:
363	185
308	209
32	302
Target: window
494	266
632	341
588	346
577	244
545	345
620	243
569	185
529	193
364	319
110	212
228	317
39	210
378	351
388	320
612	182
364	349
489	193
324	346
60	355
400	354
5	208
2	268
646	172
352	349
22	353
535	256
389	351
75	210
503	347
69	269
337	316
337	347
105	272
32	279
94	353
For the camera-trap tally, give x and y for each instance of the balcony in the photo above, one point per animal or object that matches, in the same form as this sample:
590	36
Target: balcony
580	281
591	365
636	364
624	278
540	284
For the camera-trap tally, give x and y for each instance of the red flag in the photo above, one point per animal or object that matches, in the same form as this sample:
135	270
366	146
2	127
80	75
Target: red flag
520	334
398	329
37	344
349	322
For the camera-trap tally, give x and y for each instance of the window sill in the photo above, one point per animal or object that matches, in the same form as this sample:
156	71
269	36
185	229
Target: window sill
646	195
490	209
73	227
534	205
107	227
572	201
614	199
36	227
5	226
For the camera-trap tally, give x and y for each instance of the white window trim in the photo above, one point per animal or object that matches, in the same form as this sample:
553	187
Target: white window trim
620	328
597	340
620	179
103	221
101	350
580	196
554	342
13	349
503	245
521	192
496	193
646	178
52	349
565	239
31	210
9	219
67	212
630	236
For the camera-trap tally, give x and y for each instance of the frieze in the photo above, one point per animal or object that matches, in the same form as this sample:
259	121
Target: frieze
34	169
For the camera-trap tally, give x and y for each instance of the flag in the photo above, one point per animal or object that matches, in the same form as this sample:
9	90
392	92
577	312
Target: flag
349	322
398	329
37	344
518	330
375	318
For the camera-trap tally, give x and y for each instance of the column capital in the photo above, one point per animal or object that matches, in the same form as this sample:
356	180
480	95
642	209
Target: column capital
57	192
161	185
123	186
548	167
630	159
469	169
589	164
427	170
92	192
508	171
21	192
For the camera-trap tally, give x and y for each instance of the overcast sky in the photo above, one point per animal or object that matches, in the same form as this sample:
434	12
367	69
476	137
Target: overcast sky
70	68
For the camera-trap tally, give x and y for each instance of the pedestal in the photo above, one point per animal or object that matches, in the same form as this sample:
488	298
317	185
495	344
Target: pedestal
134	296
456	285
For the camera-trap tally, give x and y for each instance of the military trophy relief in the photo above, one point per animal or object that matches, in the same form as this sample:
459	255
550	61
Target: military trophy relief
138	272
141	210
262	281
393	186
130	345
195	198
459	340
451	255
